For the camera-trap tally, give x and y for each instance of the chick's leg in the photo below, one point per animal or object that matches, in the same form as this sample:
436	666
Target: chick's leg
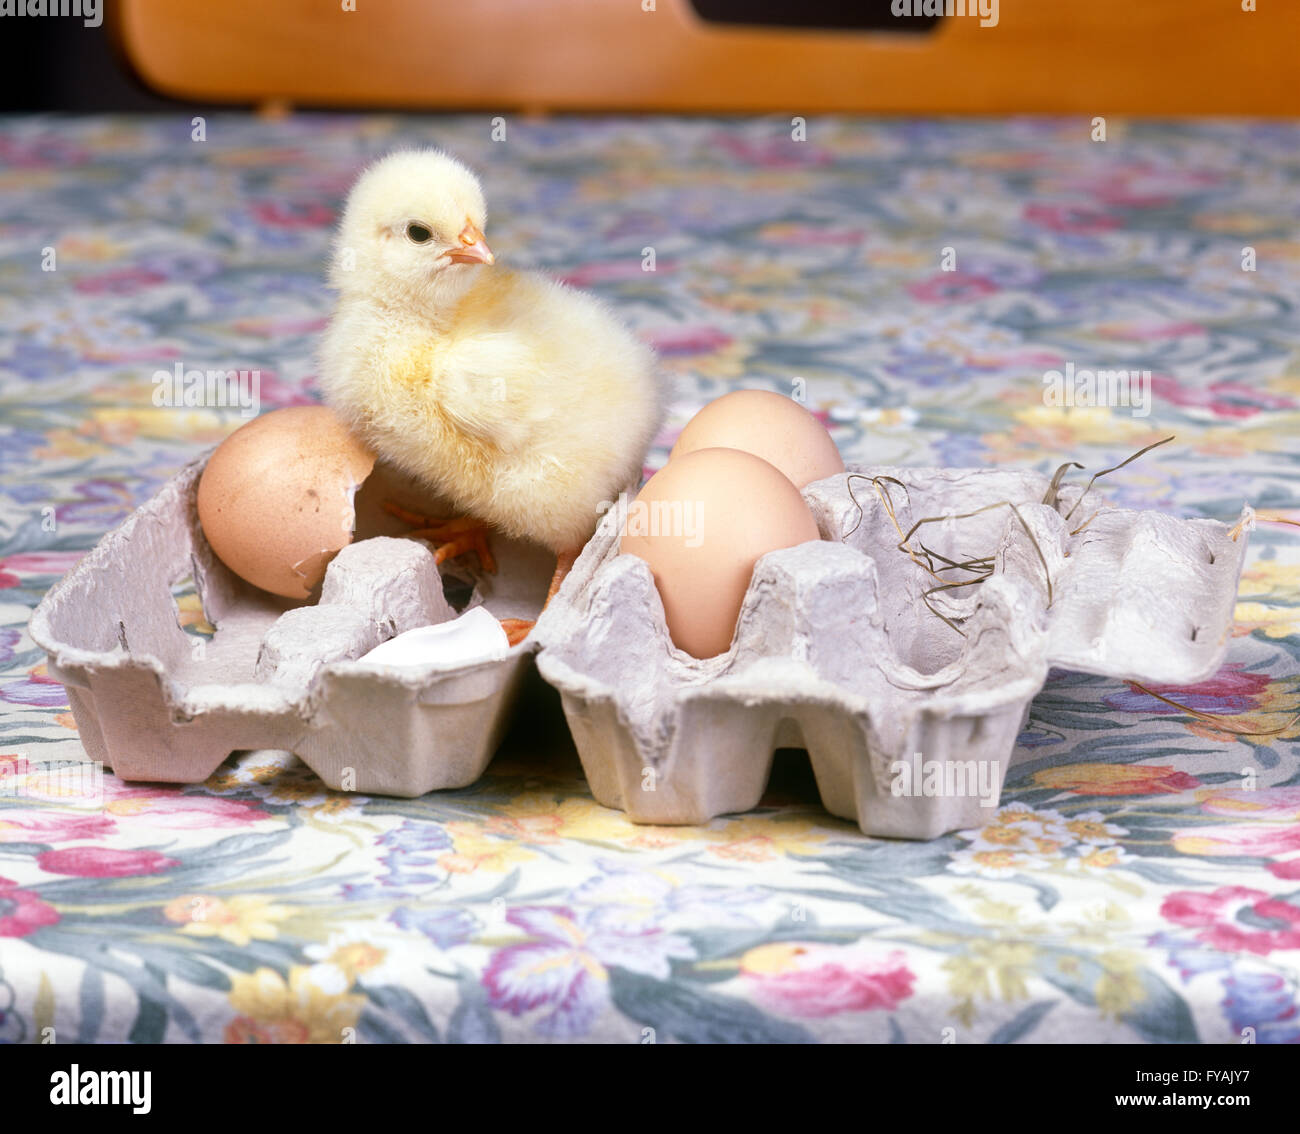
455	537
450	538
517	629
563	565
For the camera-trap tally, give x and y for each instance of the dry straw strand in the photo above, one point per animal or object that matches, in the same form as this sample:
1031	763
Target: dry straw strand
983	566
1115	468
1260	517
1215	720
1053	489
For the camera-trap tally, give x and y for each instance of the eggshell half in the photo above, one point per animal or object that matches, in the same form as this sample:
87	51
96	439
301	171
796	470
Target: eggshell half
275	499
770	426
701	523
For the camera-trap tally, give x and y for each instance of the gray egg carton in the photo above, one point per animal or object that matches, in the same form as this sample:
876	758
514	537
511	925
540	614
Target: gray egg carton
157	704
835	651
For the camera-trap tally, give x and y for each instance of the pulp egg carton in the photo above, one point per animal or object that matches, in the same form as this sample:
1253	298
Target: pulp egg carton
157	704
835	650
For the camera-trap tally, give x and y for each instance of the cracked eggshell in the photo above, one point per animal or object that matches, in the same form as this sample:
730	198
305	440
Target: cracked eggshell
276	498
280	675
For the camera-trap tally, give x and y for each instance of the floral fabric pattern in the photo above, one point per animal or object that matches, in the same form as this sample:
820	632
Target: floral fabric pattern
1139	879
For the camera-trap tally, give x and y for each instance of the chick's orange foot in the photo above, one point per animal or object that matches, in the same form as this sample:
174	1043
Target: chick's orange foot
517	629
451	538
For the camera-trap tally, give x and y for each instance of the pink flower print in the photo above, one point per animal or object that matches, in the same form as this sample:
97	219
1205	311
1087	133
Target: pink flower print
1236	919
823	980
21	911
103	862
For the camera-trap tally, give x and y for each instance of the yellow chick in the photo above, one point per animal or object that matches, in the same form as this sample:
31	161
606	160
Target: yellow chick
523	402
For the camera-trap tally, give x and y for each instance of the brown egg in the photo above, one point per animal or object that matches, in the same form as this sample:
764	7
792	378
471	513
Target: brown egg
770	426
275	499
701	523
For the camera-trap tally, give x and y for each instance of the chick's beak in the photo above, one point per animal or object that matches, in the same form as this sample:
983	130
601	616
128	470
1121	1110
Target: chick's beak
473	248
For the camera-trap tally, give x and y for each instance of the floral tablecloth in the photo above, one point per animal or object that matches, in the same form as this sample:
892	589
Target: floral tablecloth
1140	879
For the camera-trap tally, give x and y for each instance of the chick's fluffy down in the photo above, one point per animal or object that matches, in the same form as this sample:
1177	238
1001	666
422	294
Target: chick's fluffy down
528	407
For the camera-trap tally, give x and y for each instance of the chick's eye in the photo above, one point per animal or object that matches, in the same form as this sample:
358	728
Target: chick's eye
418	233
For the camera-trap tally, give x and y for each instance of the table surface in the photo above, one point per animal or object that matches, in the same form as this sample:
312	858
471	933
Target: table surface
1140	879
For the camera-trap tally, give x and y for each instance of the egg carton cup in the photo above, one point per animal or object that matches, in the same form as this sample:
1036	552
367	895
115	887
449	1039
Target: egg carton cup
157	704
836	652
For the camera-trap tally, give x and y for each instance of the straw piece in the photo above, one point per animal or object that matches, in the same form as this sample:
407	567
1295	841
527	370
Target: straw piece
1251	517
1215	719
1127	460
925	598
1086	522
873	480
1047	575
1053	489
982	566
